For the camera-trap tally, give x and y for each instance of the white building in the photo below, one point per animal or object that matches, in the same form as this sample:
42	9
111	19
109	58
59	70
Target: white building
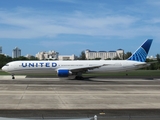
66	57
30	56
104	54
51	55
16	53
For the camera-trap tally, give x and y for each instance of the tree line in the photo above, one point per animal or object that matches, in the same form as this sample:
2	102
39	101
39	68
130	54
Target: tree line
154	66
5	59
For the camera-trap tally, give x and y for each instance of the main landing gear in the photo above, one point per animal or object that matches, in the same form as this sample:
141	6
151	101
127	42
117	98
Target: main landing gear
79	76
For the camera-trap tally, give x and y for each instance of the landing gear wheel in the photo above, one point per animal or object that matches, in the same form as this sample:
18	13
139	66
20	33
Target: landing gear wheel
79	78
13	77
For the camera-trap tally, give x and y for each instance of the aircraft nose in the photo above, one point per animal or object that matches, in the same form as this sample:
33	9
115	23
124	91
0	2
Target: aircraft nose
4	68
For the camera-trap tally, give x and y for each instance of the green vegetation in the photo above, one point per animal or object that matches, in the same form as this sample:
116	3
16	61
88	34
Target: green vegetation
82	56
3	73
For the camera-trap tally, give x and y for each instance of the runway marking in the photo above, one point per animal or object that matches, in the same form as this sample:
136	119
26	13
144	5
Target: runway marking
82	93
35	85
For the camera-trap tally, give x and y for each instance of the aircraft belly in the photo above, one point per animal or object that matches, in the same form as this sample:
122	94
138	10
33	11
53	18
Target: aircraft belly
33	71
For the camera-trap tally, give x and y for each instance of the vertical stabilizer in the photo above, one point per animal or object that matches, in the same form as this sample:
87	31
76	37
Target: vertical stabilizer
141	53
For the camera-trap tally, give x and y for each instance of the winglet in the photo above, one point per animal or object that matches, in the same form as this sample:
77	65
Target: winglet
141	53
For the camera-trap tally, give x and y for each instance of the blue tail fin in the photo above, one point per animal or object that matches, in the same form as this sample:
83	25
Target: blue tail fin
141	53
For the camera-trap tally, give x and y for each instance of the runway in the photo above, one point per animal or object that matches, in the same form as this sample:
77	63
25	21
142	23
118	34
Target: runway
104	97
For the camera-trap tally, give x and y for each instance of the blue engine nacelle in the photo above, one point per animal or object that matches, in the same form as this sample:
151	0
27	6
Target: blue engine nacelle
63	72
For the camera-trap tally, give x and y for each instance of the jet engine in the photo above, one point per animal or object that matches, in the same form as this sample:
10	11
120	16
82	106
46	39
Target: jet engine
63	72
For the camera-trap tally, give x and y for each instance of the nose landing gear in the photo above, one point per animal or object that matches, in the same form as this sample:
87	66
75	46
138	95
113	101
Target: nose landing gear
13	76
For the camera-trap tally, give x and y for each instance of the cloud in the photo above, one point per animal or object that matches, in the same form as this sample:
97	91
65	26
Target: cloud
55	43
30	23
65	1
153	2
154	20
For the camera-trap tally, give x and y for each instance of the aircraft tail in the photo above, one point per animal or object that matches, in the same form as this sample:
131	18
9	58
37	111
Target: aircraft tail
141	53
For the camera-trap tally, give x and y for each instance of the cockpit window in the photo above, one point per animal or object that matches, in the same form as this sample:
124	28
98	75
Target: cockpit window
7	65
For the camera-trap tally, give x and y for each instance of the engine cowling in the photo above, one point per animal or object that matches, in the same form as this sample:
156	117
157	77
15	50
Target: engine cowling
63	72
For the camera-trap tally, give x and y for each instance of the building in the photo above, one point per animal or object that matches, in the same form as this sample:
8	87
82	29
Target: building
151	57
104	54
30	57
0	49
16	53
120	53
51	55
66	57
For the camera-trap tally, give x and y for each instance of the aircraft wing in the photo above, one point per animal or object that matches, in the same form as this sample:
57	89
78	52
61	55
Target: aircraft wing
141	65
149	63
84	69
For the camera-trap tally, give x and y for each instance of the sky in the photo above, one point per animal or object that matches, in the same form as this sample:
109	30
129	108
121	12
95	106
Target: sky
71	26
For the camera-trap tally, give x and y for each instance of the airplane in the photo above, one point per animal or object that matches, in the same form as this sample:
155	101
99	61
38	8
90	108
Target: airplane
78	67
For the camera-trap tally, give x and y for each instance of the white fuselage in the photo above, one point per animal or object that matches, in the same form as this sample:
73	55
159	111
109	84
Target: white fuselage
33	67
